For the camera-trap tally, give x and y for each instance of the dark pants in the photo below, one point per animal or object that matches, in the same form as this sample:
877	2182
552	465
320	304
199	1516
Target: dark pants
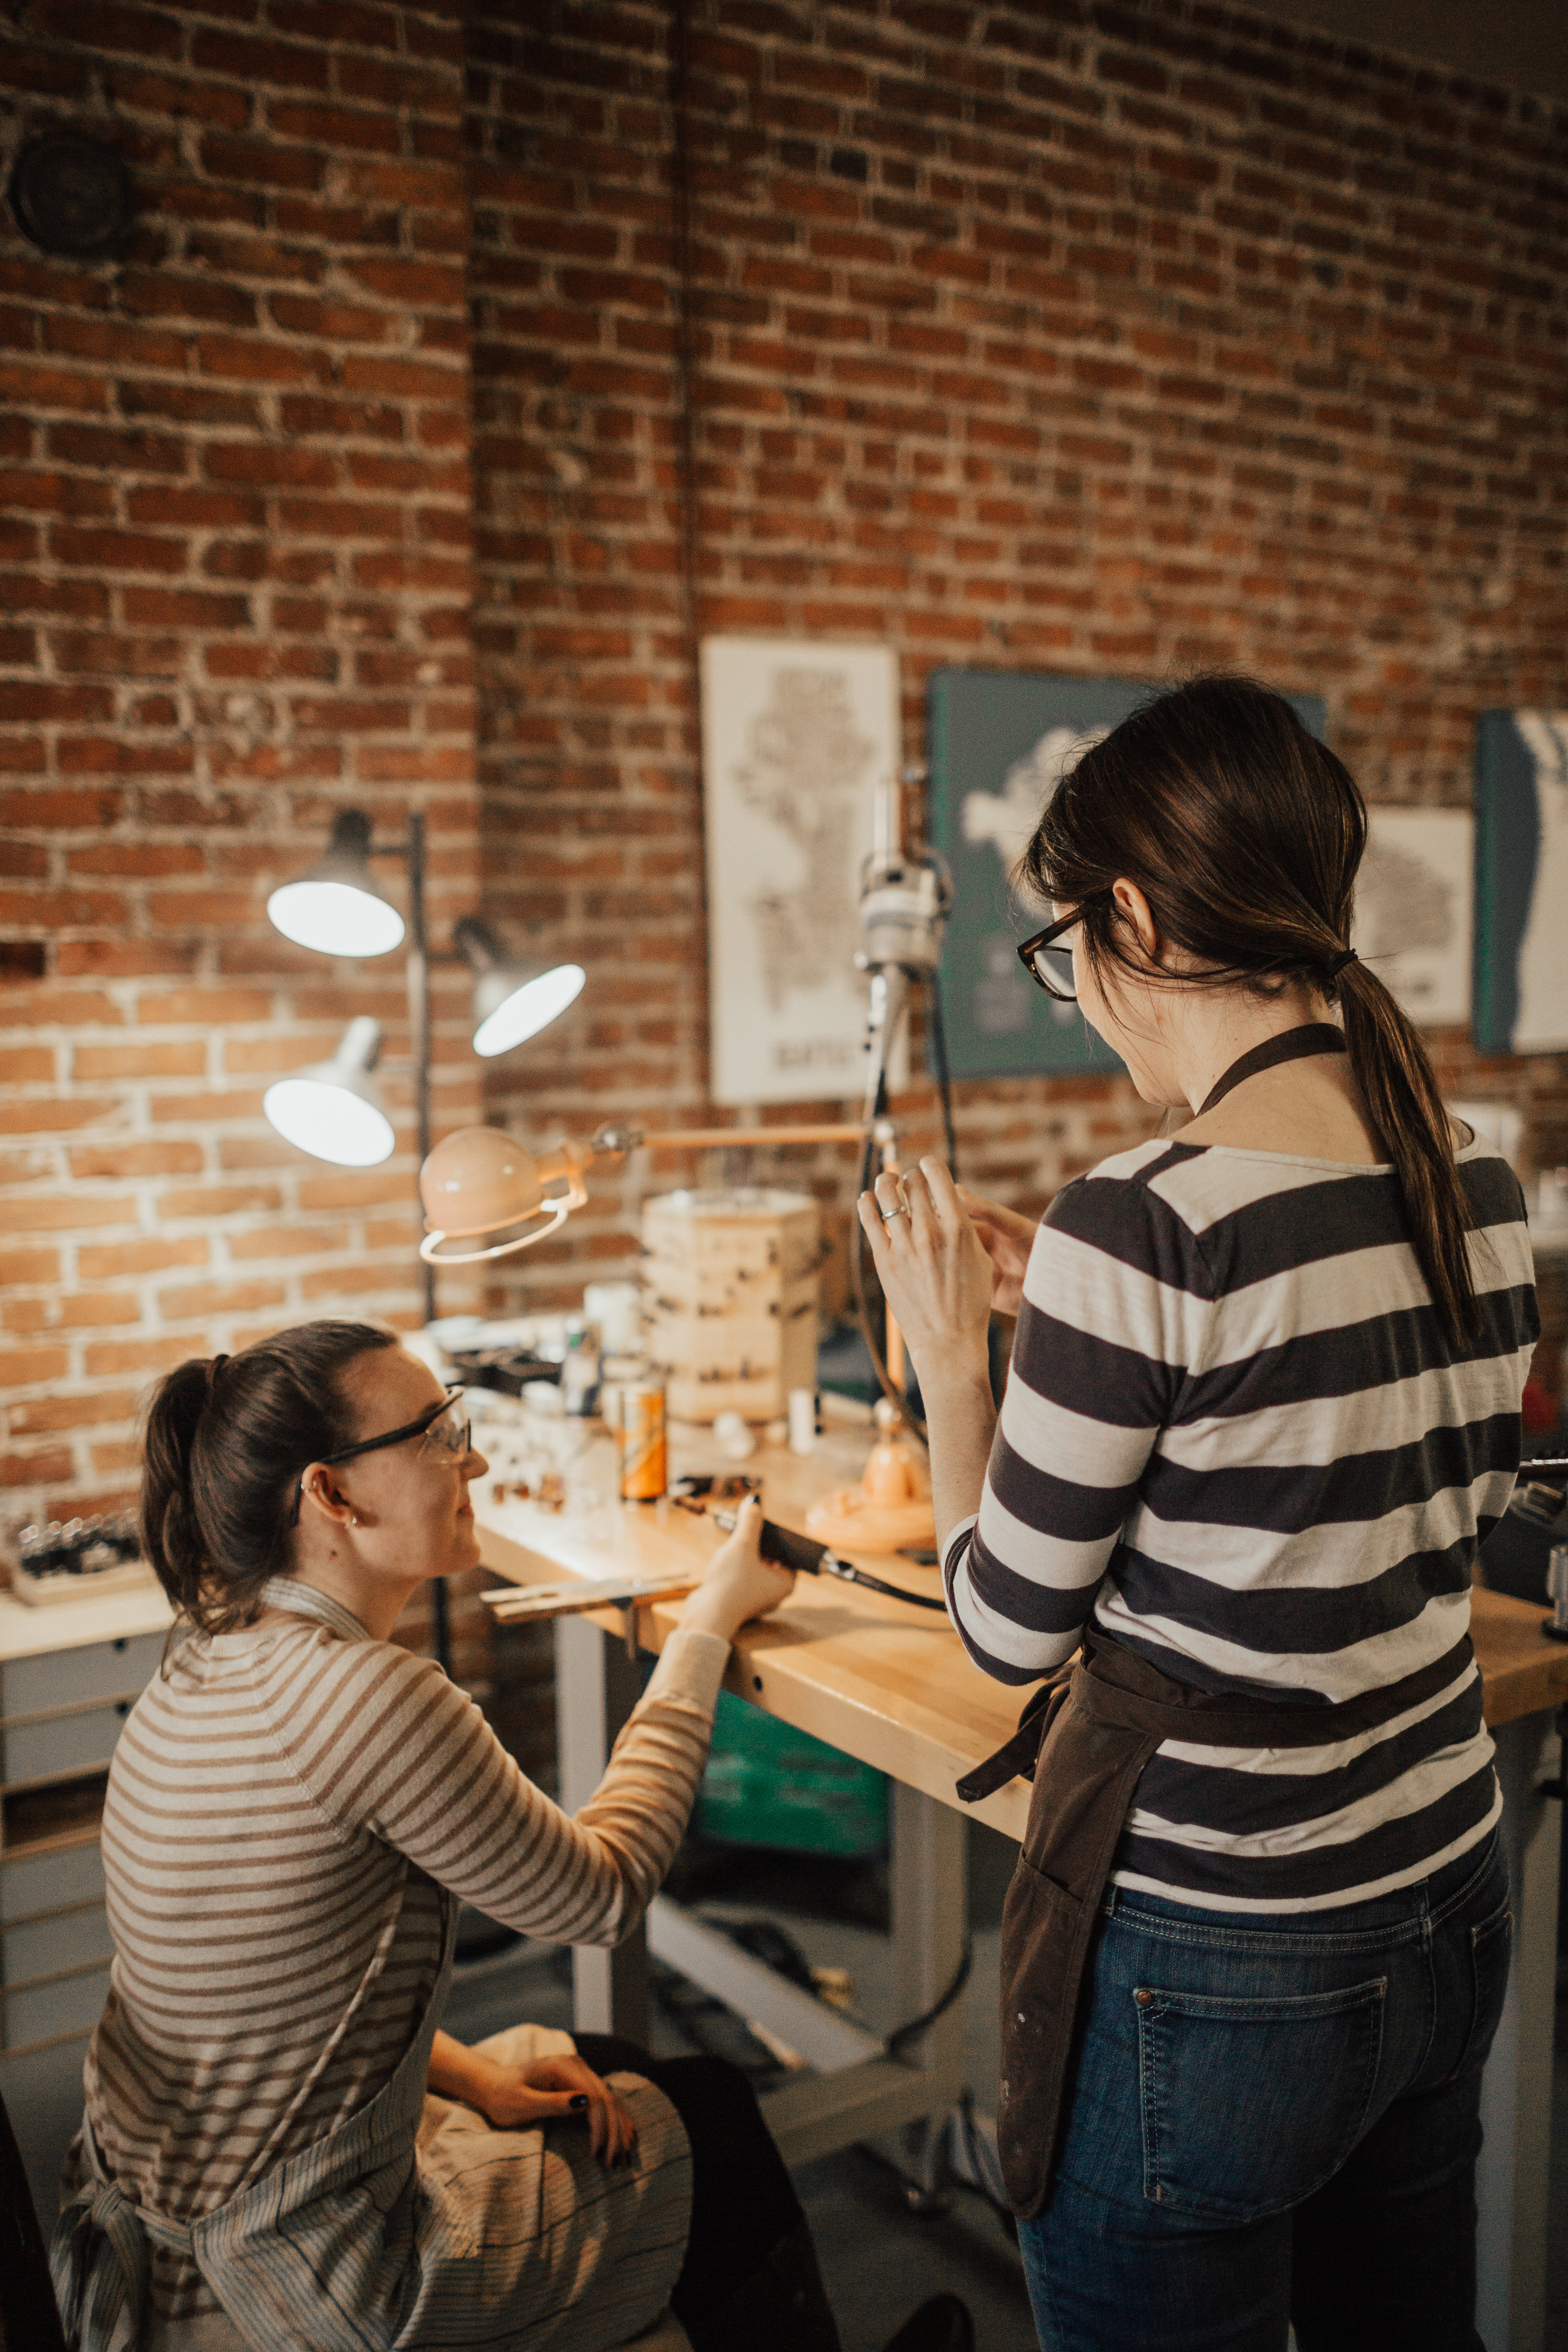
743	2203
1278	2120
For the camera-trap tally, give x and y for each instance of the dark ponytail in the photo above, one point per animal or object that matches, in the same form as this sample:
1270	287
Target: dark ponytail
226	1441
1245	833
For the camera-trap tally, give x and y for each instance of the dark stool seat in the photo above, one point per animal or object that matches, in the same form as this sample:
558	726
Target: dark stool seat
29	2317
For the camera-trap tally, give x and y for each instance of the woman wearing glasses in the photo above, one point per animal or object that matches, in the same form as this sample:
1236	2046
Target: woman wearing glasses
1264	1402
280	2146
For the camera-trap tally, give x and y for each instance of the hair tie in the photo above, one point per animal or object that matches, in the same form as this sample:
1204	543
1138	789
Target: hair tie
215	1366
1336	964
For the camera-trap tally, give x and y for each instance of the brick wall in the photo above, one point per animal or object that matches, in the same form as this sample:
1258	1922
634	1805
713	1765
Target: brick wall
1109	340
234	580
1105	340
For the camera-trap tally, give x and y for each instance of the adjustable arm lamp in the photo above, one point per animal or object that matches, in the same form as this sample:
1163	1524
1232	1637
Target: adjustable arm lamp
334	1109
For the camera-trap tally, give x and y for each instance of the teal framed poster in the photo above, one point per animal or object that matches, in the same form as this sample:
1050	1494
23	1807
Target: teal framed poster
999	742
1521	960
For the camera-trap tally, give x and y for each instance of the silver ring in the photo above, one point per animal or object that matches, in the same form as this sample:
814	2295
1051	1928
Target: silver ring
888	1214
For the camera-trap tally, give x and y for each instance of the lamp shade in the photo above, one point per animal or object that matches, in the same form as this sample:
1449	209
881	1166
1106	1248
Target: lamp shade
337	907
333	1110
512	1000
484	1195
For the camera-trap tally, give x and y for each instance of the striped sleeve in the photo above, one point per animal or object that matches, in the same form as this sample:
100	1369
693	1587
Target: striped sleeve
385	1743
1080	1416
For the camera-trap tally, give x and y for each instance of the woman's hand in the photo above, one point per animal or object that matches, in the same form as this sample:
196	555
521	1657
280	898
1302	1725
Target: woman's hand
518	2098
932	1266
1007	1238
740	1583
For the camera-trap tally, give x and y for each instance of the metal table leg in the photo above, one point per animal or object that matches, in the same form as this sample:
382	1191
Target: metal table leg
596	1688
1516	2092
931	1927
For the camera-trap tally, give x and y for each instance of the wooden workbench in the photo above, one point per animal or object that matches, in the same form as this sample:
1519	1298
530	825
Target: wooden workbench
894	1687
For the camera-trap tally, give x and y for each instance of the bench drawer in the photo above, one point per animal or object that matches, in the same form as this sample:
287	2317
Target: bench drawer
61	1744
69	1677
42	1948
30	1882
37	2012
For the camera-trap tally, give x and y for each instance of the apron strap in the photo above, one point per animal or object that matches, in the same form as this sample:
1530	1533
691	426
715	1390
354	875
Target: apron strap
1290	1046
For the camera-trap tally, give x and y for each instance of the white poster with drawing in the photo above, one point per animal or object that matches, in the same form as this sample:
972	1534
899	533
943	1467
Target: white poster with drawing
795	733
1413	910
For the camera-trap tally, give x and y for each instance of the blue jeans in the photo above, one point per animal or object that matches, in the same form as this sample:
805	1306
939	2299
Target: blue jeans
1276	2120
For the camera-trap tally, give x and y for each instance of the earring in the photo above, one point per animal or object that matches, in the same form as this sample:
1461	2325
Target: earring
353	1518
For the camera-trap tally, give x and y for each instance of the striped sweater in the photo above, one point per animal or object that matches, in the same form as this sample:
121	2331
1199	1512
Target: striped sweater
284	1804
1235	1434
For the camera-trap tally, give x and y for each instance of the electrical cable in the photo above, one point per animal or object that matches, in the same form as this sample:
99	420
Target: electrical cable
918	2025
943	1075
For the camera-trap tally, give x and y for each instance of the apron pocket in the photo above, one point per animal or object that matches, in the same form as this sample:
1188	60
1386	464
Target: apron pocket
1249	2105
1041	1966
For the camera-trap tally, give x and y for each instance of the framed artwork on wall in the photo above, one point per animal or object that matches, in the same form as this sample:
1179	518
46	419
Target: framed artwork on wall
1522	882
1000	742
1413	910
795	732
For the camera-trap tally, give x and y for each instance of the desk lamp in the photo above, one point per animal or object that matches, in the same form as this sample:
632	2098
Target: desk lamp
333	1109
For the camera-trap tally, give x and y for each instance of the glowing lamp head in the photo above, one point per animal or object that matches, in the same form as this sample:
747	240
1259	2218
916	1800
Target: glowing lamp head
512	1001
333	1110
336	908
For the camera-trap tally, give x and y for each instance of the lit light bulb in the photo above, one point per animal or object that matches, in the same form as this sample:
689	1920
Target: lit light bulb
529	1009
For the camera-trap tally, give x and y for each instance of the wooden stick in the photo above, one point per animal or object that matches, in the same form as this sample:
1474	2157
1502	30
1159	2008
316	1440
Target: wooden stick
526	1603
696	1138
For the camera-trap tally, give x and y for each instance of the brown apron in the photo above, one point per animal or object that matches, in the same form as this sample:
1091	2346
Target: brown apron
1084	1740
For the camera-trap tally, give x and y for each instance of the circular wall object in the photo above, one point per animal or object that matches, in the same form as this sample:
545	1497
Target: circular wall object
71	195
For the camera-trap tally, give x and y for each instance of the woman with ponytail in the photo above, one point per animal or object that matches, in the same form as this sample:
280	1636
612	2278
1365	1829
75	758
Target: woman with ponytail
280	2147
1263	1408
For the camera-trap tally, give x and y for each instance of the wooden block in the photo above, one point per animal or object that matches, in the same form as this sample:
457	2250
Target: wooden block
730	1299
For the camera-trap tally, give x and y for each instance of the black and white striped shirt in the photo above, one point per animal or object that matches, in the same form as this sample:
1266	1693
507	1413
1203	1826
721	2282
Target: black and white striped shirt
1235	1432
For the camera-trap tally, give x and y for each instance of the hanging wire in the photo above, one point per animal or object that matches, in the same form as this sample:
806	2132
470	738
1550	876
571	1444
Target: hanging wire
943	1075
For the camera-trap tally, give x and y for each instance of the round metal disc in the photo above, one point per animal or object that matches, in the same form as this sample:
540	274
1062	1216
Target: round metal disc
71	195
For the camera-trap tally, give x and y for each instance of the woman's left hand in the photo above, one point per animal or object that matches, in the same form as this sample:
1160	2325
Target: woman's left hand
930	1261
519	2097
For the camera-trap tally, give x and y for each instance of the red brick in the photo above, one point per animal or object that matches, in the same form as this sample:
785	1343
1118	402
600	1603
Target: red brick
96	1262
88	1411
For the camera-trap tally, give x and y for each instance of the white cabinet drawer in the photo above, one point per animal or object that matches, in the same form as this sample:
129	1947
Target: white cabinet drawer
60	1745
64	2005
42	1948
30	1882
67	1677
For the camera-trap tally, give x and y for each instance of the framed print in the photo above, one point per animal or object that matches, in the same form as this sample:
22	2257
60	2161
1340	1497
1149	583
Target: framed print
1522	882
1412	909
795	733
1000	743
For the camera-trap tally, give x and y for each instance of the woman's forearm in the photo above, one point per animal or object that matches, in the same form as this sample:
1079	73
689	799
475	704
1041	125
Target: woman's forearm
961	1421
459	2072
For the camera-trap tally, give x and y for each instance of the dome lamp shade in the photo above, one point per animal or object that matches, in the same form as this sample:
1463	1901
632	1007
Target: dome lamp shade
337	907
484	1195
334	1110
512	1000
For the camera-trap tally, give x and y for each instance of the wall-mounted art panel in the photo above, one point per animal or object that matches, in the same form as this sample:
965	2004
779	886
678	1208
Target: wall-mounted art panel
1522	882
795	733
1413	910
1000	742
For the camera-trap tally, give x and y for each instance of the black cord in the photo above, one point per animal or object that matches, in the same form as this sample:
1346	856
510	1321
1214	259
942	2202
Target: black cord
918	2025
943	1075
847	1573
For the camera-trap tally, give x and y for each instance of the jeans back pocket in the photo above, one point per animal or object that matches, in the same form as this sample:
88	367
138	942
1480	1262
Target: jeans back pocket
1250	2105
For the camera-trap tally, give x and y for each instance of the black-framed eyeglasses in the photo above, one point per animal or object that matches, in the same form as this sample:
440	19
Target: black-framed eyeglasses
447	1435
1049	966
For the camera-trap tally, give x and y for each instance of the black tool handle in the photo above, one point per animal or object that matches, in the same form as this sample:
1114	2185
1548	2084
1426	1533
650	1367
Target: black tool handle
785	1548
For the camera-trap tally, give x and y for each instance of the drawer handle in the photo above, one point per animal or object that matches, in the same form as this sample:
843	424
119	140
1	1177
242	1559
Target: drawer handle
122	1708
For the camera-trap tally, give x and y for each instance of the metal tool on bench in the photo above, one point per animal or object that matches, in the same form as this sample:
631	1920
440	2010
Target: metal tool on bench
1542	1506
516	1604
